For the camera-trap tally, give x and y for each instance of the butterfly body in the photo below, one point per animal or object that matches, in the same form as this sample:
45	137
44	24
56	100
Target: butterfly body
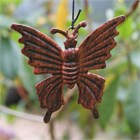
69	66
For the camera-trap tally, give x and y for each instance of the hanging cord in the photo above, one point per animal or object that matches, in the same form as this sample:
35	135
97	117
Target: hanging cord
74	20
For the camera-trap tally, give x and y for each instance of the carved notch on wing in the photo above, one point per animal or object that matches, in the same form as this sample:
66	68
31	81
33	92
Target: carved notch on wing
95	49
43	53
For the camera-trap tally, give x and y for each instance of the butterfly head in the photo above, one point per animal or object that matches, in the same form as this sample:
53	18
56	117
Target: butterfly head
71	38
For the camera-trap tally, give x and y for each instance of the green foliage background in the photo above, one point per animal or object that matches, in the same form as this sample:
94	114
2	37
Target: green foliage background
120	107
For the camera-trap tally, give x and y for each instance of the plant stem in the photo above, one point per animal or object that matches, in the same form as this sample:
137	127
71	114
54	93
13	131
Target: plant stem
129	61
22	115
51	129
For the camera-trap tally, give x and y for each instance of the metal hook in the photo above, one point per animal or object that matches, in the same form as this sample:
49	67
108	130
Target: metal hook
74	20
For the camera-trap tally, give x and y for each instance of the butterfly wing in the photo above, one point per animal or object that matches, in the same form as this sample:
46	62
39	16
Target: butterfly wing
90	90
95	49
50	95
93	52
43	53
45	56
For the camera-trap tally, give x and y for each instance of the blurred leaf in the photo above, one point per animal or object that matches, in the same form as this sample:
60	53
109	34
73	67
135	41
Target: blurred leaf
131	107
138	23
126	29
109	80
9	1
61	14
28	79
10	56
5	21
135	58
120	9
7	6
124	128
118	66
108	102
33	11
121	1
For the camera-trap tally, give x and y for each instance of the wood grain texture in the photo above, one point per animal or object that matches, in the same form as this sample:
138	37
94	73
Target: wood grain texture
69	66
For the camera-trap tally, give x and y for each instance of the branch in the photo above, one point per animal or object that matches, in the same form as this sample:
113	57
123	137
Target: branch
22	115
51	129
133	8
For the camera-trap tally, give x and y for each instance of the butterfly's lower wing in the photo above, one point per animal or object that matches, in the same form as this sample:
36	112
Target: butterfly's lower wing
50	95
95	49
45	56
43	53
90	91
93	52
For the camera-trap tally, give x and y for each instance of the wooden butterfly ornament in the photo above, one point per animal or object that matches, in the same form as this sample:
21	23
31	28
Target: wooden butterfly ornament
69	66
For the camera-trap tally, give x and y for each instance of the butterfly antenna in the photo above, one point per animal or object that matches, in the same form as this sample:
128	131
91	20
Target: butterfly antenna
54	31
81	24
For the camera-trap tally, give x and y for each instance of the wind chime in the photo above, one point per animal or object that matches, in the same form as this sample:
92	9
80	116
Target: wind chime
69	66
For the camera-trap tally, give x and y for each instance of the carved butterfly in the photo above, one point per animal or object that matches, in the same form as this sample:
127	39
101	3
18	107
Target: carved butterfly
69	66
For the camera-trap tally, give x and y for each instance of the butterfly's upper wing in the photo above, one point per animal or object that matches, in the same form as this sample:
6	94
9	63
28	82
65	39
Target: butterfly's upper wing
95	49
43	53
93	53
45	56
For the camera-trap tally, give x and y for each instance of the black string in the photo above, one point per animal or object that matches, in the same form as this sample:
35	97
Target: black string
73	7
74	20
